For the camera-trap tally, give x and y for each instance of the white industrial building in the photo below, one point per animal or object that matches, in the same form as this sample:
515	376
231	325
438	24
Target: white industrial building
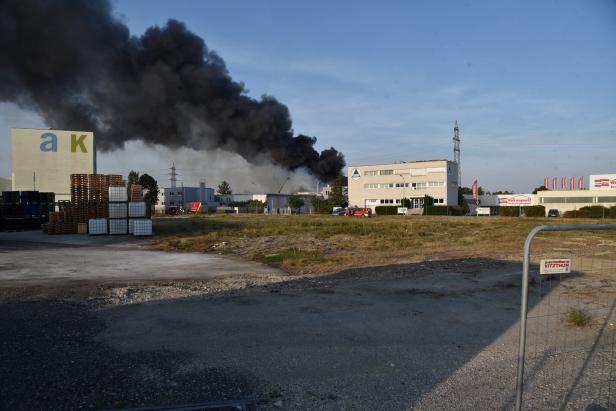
602	192
387	184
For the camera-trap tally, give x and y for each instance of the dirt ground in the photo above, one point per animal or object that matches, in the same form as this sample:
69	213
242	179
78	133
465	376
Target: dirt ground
425	335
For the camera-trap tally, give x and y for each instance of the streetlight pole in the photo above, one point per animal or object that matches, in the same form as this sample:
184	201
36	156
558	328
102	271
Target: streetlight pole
403	189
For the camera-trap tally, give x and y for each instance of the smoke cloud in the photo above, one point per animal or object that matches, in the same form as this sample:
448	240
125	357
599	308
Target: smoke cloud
79	67
212	166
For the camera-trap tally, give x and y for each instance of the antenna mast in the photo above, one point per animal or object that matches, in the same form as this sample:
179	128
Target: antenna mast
174	176
456	151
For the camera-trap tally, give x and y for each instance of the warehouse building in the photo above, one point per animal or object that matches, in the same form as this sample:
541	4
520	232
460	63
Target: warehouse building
602	192
43	160
182	197
387	184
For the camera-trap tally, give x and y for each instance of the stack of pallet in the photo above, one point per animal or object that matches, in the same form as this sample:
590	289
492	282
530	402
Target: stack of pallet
136	192
89	200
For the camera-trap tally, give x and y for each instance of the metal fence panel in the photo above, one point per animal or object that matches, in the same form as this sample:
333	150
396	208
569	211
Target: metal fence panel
567	340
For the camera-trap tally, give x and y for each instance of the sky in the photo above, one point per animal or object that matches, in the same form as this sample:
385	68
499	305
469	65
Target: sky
530	83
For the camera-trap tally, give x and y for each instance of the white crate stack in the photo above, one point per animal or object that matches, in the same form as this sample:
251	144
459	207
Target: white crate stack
118	210
142	227
97	226
124	217
137	217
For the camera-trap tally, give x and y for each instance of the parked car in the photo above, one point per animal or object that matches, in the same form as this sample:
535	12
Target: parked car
359	212
553	213
338	211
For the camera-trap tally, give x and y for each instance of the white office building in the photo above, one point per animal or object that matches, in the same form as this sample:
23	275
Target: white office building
387	184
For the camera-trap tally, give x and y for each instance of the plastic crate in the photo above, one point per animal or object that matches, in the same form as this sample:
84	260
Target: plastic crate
119	226
142	227
118	194
118	210
137	209
97	226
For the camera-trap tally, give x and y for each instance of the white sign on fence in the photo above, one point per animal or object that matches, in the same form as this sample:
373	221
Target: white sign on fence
555	266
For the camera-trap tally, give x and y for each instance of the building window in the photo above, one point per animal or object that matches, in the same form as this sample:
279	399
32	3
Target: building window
387	201
386	172
435	183
567	200
606	199
371	173
400	185
420	186
387	185
371	186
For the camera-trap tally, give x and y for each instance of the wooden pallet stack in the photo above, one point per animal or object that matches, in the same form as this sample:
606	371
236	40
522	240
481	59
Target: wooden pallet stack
89	199
79	188
136	192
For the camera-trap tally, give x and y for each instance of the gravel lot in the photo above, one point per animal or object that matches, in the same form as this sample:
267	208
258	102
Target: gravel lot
432	335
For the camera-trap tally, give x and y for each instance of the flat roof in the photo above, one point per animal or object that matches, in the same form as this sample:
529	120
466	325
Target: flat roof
399	162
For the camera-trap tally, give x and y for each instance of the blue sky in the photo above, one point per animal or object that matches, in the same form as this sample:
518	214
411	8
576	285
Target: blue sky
531	83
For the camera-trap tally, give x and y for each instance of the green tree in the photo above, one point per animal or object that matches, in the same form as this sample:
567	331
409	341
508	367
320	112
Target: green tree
296	202
502	192
224	188
469	190
337	196
151	185
540	188
255	204
462	201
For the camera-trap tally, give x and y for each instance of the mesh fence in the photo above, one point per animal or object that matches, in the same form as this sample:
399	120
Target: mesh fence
570	360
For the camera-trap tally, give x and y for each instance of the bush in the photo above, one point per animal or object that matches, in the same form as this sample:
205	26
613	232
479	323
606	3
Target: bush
591	212
509	211
579	318
534	211
322	206
435	210
386	210
457	211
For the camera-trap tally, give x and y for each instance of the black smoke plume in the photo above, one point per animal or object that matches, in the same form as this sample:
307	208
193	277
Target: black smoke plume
79	67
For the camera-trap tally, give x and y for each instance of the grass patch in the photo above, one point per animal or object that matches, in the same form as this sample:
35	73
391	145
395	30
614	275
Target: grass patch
321	243
578	317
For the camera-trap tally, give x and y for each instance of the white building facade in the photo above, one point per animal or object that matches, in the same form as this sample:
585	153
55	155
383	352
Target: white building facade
44	160
387	184
602	192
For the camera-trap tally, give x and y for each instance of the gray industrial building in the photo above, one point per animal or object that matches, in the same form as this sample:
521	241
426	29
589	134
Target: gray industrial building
181	197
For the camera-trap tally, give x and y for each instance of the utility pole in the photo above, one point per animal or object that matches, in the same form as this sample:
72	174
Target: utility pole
456	151
174	176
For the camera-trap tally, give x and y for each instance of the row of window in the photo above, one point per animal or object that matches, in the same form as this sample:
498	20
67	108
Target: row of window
419	186
399	201
577	200
412	171
378	172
